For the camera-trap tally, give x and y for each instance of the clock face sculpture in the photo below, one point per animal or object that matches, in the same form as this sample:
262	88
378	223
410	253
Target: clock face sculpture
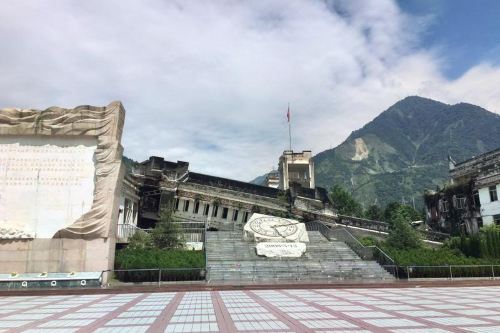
273	227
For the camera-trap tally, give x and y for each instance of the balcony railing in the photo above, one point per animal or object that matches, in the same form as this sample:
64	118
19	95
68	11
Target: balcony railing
124	231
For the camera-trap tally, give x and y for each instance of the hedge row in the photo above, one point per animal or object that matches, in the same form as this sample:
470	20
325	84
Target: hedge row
176	265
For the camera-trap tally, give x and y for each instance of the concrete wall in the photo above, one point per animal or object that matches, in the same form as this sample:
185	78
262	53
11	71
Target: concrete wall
61	173
56	255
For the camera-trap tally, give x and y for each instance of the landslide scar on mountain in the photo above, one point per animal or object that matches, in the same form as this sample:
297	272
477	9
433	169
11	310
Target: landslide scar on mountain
361	150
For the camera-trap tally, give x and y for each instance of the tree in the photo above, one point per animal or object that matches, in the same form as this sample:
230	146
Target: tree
344	202
402	235
408	211
167	234
140	240
374	213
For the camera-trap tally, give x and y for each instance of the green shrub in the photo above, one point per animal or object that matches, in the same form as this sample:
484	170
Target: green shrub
443	256
402	235
175	264
368	241
485	244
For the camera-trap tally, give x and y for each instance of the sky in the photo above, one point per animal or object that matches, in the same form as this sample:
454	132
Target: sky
209	82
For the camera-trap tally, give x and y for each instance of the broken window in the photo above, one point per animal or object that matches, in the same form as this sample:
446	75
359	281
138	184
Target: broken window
225	210
215	211
496	219
177	204
196	207
445	205
186	205
460	202
235	215
205	209
479	222
245	217
493	193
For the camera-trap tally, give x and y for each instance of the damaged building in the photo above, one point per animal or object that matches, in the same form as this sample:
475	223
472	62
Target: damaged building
470	200
203	201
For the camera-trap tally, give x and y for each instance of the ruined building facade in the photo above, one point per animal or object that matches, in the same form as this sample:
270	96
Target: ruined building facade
470	200
204	201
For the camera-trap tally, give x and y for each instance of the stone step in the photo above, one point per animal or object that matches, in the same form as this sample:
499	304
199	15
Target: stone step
230	258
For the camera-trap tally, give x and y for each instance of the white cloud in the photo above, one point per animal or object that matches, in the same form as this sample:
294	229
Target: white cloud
208	82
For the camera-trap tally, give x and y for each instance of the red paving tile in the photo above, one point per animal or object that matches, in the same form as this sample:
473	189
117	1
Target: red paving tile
354	310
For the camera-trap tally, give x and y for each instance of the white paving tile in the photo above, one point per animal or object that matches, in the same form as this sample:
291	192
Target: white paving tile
393	322
484	329
456	321
328	324
122	329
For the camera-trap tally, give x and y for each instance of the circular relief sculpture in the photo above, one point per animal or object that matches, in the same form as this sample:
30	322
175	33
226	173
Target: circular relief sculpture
273	227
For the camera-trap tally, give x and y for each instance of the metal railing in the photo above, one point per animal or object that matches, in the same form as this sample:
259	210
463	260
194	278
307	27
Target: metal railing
124	231
363	223
157	275
450	272
371	252
384	227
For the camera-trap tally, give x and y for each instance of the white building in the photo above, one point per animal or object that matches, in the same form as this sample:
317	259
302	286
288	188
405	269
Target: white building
490	205
484	172
296	168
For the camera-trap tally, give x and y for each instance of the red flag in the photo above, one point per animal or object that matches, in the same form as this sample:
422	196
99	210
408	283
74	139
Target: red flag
288	114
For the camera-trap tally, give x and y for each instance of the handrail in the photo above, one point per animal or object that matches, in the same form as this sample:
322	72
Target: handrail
298	273
365	252
368	246
384	227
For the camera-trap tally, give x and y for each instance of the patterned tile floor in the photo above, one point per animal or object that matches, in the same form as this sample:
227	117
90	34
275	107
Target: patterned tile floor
396	310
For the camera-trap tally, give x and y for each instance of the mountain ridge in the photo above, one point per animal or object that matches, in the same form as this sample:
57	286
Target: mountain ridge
405	149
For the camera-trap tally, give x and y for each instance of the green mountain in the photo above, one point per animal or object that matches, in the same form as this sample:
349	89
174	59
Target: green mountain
405	150
260	180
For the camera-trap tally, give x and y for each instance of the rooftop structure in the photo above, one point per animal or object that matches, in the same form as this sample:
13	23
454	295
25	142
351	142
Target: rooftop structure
296	168
272	179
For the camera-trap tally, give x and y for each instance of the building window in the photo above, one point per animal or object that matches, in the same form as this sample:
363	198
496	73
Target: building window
445	205
177	204
186	205
493	193
496	219
206	209
475	196
460	202
225	210
245	217
215	211
196	207
235	215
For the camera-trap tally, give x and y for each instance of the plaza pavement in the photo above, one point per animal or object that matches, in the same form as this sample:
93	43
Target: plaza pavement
353	310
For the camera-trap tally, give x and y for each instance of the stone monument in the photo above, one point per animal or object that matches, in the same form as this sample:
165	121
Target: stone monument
60	176
276	236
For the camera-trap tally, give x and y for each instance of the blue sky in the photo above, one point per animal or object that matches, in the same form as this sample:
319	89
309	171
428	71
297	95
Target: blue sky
209	81
464	32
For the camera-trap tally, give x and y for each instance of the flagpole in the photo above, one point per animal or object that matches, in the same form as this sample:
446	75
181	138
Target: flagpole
289	127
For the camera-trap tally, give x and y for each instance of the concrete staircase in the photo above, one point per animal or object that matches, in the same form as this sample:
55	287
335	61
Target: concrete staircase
230	258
